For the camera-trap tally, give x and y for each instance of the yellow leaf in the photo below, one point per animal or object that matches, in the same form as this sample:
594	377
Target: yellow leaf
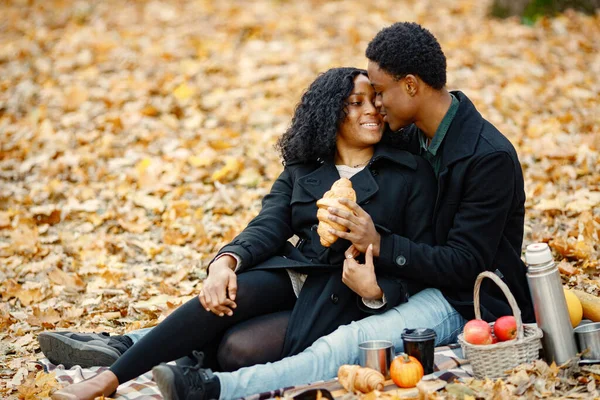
176	237
46	380
43	318
109	315
24	239
143	165
10	288
5	318
150	203
220	144
183	92
75	97
71	281
4	219
150	111
72	313
229	171
199	161
30	296
135	226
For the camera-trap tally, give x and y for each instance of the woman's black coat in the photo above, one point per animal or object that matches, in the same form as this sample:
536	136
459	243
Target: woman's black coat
397	189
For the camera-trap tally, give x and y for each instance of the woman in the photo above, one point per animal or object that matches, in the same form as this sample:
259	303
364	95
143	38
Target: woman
335	132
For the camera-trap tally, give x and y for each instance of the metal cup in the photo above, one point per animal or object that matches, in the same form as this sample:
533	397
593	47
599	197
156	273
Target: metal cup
377	355
588	337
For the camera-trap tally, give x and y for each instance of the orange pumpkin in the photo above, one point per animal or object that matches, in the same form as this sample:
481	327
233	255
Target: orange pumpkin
406	371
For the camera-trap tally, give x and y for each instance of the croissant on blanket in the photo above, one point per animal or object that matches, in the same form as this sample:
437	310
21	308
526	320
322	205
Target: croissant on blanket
341	189
355	378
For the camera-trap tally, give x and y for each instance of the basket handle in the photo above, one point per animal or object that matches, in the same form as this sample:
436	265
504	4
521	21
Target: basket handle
509	296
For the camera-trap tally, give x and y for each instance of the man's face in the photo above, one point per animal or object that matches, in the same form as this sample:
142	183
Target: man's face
392	99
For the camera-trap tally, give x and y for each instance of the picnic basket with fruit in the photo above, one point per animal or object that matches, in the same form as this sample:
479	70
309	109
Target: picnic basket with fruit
491	359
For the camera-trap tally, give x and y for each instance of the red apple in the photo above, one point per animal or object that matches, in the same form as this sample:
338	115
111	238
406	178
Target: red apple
505	328
477	331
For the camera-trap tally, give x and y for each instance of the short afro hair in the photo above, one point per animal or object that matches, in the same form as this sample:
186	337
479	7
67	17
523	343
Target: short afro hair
407	48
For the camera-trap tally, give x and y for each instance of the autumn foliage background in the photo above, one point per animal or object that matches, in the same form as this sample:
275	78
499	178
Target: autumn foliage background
136	138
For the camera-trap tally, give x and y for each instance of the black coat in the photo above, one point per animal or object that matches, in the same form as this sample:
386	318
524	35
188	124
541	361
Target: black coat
397	189
478	220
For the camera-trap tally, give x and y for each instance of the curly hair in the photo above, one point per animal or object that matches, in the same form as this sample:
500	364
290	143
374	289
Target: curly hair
312	132
407	48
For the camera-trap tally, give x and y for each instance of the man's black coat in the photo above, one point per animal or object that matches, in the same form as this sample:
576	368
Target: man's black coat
397	189
478	220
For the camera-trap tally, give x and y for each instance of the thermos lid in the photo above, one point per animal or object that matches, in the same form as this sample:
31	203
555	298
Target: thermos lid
538	253
418	334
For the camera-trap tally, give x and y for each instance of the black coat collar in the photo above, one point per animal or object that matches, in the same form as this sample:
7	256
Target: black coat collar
463	135
320	180
396	155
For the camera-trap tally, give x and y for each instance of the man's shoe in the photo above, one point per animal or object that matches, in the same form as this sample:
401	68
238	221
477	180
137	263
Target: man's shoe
177	382
83	349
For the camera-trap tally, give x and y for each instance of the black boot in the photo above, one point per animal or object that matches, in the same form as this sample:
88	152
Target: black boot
193	382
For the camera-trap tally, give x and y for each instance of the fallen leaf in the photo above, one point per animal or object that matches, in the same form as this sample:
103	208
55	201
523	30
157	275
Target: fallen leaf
183	92
71	281
47	317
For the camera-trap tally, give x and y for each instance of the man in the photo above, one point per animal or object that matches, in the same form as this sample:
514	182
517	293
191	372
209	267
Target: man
478	223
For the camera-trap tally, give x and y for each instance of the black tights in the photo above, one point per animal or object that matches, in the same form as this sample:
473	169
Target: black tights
191	327
244	344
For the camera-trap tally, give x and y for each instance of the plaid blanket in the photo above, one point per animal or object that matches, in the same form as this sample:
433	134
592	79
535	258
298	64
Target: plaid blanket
449	365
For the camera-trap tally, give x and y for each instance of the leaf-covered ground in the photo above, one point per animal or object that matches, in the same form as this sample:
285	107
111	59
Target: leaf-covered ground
136	139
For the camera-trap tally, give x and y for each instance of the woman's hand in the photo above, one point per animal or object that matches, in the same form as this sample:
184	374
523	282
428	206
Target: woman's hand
220	287
362	230
361	277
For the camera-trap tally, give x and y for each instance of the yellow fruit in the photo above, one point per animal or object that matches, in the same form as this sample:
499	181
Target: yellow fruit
574	306
590	304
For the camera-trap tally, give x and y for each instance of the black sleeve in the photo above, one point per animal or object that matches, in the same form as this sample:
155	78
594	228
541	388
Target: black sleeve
474	237
417	215
417	225
393	290
270	229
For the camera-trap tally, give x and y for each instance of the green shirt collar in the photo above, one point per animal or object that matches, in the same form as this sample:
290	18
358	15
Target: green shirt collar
440	132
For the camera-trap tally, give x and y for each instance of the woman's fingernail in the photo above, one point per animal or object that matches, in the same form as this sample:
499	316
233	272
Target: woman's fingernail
208	309
230	313
220	315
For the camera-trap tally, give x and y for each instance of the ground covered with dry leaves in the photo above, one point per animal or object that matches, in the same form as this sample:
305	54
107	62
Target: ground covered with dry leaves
136	139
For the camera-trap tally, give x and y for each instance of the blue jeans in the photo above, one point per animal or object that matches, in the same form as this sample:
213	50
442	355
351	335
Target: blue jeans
135	336
426	309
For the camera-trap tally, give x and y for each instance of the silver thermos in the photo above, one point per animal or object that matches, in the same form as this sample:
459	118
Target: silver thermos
550	306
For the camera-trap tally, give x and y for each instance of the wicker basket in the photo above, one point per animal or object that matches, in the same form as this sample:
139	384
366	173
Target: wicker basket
493	360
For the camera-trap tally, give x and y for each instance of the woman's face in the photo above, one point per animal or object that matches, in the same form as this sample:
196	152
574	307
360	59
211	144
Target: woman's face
363	125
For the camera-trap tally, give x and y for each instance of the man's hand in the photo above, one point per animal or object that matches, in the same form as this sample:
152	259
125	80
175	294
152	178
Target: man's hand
361	277
220	287
362	230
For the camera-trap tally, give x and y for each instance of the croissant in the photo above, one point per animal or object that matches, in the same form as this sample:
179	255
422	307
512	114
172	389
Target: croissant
342	188
355	378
